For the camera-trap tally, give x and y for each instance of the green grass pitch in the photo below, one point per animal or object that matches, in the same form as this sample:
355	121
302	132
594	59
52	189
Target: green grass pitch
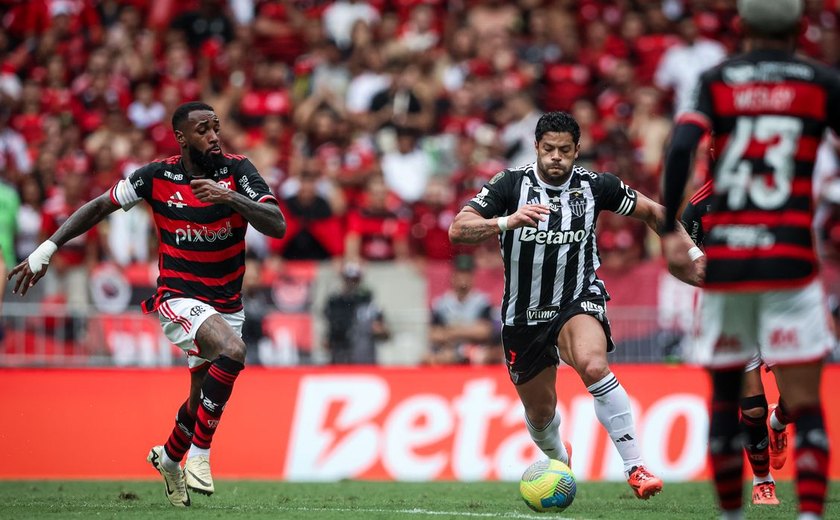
367	500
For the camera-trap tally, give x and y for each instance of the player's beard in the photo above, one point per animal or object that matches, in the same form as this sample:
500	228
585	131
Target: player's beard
207	163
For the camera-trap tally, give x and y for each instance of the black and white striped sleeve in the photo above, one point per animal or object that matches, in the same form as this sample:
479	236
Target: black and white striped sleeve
612	194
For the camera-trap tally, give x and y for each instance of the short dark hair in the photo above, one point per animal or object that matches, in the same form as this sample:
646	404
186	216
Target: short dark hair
182	113
557	122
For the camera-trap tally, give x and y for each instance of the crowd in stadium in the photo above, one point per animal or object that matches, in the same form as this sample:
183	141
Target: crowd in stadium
372	121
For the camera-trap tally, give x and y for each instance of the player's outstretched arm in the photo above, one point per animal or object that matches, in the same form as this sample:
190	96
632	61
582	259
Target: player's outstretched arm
28	272
691	271
265	217
469	227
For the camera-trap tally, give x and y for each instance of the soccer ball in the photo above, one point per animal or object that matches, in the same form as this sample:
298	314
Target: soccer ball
548	486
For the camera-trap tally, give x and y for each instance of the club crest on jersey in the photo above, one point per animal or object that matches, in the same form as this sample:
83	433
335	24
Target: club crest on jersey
577	203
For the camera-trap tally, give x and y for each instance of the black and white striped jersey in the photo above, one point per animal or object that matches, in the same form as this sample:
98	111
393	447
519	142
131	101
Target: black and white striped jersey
548	267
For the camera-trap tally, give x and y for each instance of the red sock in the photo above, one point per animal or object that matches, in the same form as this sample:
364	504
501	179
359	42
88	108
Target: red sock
215	392
181	437
811	455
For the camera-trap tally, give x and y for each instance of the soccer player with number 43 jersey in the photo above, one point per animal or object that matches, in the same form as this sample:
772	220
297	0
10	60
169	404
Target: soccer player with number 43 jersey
554	305
767	110
202	202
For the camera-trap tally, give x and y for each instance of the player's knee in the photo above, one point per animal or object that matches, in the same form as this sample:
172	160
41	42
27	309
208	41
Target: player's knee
593	371
754	406
235	350
539	416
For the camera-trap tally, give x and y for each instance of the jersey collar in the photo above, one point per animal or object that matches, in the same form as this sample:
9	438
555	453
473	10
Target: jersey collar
546	186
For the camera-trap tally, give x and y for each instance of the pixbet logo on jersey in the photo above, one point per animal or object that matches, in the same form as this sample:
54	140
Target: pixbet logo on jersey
202	234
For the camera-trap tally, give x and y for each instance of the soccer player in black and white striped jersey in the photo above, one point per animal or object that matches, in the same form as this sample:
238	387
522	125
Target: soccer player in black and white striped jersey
554	306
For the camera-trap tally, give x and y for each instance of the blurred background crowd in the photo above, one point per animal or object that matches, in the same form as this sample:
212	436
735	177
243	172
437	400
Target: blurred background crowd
373	121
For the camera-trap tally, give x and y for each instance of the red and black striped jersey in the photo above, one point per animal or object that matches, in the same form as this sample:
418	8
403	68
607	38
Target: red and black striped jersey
201	245
694	213
767	111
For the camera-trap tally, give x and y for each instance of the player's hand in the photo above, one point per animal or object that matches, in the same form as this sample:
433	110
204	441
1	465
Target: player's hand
680	264
209	191
529	215
25	277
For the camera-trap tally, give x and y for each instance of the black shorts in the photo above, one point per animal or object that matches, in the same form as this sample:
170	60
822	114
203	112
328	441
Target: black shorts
529	349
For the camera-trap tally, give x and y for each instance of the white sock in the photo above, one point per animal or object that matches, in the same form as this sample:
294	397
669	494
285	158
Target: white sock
775	423
195	450
735	514
548	440
169	464
809	516
612	407
759	480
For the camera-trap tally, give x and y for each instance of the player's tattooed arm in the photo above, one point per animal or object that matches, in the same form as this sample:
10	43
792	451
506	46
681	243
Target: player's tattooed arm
264	216
469	227
84	219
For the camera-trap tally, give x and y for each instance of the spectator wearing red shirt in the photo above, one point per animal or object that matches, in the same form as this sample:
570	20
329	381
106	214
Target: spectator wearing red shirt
431	219
278	30
567	79
57	96
71	265
268	95
29	121
376	231
14	157
313	231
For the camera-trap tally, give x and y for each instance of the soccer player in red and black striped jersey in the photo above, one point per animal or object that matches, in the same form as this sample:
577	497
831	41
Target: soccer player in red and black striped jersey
202	202
767	110
765	446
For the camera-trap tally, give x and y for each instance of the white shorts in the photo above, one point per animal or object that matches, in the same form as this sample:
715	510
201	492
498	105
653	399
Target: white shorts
782	327
180	319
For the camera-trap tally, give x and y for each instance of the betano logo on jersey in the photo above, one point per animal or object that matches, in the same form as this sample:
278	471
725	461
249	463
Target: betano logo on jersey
552	237
202	234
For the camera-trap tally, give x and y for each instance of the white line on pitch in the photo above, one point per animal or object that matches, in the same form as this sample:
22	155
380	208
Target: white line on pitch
418	511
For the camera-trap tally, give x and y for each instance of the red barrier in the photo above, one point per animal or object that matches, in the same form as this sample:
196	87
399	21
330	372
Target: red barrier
328	423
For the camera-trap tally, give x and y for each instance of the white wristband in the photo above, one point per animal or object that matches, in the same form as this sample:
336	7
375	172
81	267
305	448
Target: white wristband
695	252
41	256
502	223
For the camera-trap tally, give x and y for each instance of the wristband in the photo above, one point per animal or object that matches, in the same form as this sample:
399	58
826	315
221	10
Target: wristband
41	256
695	252
502	223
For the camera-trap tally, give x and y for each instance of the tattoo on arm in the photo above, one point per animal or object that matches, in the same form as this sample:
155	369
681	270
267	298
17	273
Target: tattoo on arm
472	228
84	219
265	217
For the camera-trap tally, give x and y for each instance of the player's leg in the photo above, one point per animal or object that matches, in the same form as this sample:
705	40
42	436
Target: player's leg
795	340
583	345
725	340
725	442
220	342
754	425
800	384
532	365
180	438
217	356
539	398
779	419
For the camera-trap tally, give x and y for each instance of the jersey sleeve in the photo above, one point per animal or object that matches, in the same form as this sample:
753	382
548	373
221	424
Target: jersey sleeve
612	194
701	107
693	223
136	187
494	197
251	184
833	102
